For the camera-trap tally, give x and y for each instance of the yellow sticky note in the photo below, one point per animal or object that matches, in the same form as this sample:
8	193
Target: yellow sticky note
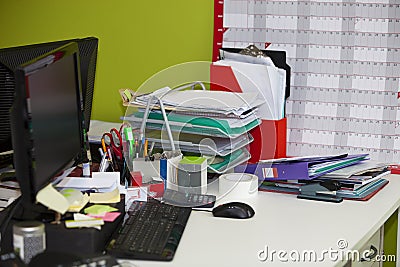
128	94
107	197
77	206
99	209
52	199
84	223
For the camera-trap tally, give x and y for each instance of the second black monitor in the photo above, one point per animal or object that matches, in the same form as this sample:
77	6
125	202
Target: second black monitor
11	58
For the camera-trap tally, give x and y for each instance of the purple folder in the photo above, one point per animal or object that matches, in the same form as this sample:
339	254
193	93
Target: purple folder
298	170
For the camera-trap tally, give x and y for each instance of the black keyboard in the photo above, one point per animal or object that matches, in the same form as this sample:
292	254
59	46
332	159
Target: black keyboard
151	231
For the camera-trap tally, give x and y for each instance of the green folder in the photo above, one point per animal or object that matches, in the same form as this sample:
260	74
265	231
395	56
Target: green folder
227	159
195	125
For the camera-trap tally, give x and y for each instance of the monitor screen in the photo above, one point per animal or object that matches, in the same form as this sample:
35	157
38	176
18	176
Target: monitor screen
54	116
12	57
46	119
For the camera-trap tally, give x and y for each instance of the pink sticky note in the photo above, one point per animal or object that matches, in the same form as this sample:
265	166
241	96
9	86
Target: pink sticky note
107	217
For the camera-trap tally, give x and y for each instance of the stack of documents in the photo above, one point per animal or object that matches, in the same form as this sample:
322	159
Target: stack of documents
355	176
293	187
213	124
202	101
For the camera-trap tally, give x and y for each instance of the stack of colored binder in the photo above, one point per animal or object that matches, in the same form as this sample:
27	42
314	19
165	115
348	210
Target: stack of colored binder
213	124
354	176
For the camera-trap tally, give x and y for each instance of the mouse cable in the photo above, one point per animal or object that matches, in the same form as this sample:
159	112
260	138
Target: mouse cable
202	209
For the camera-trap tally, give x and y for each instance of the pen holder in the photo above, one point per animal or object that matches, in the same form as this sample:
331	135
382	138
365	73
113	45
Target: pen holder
192	175
172	170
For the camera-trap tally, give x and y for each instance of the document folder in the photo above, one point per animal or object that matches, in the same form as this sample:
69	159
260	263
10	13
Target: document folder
298	170
230	161
196	125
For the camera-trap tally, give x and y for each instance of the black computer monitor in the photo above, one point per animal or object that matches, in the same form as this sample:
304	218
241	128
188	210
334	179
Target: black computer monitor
46	122
11	58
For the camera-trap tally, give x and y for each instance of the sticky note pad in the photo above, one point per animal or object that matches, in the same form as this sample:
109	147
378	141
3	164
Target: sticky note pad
128	94
107	217
99	209
52	199
106	197
84	223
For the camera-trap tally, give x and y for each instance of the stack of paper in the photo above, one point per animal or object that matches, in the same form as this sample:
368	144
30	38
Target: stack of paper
224	103
100	182
358	175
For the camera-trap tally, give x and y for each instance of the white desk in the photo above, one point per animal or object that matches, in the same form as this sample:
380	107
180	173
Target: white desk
283	222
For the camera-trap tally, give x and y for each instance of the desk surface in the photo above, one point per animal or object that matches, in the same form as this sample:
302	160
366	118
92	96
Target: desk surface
283	222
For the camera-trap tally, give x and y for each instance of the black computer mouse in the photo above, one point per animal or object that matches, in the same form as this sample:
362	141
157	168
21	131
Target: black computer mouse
237	210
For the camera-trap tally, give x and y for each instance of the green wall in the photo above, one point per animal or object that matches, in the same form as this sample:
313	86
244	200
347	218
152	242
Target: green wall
390	239
137	39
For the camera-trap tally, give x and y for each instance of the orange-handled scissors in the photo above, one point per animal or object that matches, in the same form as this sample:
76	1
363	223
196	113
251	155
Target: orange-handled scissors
113	140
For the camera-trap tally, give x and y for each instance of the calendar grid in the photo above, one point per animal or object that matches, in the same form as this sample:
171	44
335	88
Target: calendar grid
345	60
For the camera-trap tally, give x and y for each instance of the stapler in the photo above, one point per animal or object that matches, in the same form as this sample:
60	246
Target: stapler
324	191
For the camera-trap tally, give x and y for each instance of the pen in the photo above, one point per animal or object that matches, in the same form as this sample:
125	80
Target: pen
146	143
101	152
110	159
103	144
151	148
136	147
141	152
104	163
